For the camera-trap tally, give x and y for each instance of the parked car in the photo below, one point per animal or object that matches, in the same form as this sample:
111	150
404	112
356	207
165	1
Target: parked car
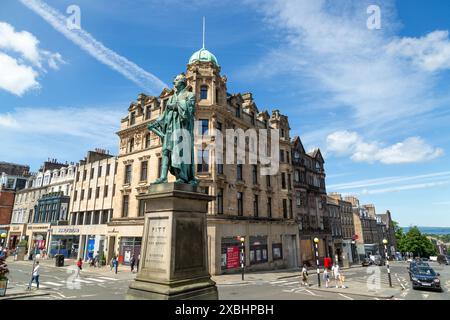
366	262
425	277
378	260
425	259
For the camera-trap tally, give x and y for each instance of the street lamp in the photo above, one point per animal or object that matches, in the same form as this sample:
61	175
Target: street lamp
385	242
316	251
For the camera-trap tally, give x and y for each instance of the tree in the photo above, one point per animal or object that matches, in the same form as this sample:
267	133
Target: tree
414	241
399	234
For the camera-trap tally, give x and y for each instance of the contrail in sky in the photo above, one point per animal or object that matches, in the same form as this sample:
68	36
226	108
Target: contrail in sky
95	48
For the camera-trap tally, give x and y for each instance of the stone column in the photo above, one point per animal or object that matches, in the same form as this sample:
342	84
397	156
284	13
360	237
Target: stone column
174	255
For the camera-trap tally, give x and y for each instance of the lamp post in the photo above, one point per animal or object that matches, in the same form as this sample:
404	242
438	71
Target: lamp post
385	242
353	251
316	252
242	257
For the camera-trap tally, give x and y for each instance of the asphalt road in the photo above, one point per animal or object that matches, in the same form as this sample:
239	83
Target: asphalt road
61	285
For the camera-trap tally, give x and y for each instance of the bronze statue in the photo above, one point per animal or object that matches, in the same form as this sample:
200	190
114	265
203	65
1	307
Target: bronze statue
175	127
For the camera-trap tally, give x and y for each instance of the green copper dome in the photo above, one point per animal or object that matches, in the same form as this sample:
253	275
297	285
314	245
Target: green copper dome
203	55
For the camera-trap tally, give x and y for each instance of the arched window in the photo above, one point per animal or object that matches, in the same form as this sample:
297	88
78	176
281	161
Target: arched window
203	92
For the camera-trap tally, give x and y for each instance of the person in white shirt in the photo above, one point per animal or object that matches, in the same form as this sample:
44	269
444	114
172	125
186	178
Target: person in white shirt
35	275
336	273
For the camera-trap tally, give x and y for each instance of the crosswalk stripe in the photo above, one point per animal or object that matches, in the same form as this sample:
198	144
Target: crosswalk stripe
53	284
107	278
277	282
82	281
40	286
96	280
290	283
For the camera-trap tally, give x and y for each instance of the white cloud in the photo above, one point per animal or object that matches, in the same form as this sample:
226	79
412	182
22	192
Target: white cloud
411	150
326	45
16	78
21	60
34	134
95	48
431	52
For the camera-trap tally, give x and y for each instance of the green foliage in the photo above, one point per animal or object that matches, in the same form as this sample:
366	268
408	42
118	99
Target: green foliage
414	241
23	243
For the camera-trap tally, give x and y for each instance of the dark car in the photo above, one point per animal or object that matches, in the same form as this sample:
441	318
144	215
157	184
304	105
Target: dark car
425	277
366	262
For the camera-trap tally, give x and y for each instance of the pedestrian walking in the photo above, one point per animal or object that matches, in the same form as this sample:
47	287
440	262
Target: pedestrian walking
342	280
116	265
326	277
132	263
79	267
113	262
305	276
336	273
35	276
327	262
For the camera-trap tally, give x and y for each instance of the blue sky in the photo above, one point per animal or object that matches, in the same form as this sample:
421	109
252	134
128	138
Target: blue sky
375	101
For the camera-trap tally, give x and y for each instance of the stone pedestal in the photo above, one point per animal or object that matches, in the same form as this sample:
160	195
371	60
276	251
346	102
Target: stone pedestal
174	255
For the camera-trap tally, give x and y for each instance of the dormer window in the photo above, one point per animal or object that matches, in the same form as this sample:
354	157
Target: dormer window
148	112
132	118
203	92
282	133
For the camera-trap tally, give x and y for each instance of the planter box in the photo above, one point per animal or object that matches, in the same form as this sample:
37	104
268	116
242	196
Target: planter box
3	286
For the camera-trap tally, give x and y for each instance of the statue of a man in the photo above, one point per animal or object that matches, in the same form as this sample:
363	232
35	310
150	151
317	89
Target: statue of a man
176	127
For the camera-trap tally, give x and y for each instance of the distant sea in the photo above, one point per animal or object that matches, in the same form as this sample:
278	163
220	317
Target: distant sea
430	230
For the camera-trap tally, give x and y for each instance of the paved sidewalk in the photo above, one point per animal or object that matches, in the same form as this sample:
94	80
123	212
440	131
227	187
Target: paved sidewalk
13	292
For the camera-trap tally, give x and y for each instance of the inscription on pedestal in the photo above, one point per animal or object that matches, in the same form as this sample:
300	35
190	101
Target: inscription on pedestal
157	243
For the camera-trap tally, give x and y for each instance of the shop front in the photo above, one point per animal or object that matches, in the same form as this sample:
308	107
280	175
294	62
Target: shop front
65	241
124	241
15	235
129	247
38	235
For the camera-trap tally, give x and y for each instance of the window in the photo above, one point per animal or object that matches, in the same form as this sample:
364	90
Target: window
131	145
285	209
84	174
97	192
240	204
219	126
128	174
255	206
82	194
287	157
108	169
205	125
88	217
217	96
255	173
78	176
144	169
268	183
114	190
75	194
132	118
203	92
142	206
147	140
289	182
203	161
96	217
297	176
125	204
282	133
258	249
104	218
252	118
277	251
219	168
269	207
105	191
148	112
281	155
89	193
238	111
239	172
220	201
291	214
80	218
298	199
283	180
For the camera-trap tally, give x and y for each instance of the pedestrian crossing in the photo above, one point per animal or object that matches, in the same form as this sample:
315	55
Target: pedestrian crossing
60	283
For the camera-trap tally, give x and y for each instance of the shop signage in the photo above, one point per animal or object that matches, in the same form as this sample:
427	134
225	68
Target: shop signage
67	230
232	257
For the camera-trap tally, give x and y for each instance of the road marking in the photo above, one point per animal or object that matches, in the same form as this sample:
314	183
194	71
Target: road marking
277	282
40	286
346	297
88	295
96	280
82	281
425	295
53	284
289	283
290	290
107	278
312	293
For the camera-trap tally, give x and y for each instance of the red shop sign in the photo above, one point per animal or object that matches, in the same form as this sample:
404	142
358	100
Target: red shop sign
232	257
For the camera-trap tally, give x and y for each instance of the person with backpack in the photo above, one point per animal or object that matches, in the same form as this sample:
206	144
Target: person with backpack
35	276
